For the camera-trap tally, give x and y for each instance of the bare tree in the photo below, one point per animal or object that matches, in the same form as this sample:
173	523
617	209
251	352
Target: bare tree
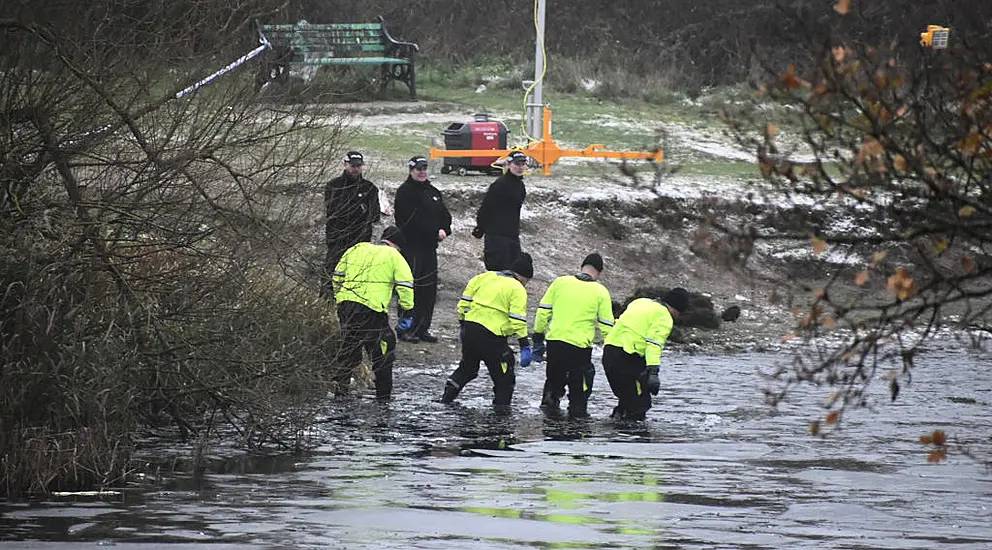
158	251
899	142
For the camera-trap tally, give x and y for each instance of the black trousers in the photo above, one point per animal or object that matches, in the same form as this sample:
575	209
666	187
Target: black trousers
339	240
423	264
499	252
483	346
365	329
625	372
570	366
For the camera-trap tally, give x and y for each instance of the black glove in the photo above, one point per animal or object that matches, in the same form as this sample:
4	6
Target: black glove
539	348
478	232
652	383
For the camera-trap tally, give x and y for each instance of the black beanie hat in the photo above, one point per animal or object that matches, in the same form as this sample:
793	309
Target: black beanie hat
678	298
393	235
595	260
523	266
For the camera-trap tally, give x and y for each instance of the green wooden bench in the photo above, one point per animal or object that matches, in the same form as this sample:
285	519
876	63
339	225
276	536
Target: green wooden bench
308	44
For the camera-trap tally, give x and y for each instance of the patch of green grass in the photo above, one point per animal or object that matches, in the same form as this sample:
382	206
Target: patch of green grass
720	168
395	146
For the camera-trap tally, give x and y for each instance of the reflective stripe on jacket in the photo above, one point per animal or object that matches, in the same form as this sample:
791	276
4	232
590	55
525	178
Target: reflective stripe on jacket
497	301
367	274
571	309
642	329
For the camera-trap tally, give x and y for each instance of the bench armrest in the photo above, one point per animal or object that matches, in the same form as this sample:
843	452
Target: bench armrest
398	48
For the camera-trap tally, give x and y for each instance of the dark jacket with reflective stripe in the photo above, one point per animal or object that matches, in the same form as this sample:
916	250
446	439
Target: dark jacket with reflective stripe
367	274
642	329
500	210
497	301
571	309
420	212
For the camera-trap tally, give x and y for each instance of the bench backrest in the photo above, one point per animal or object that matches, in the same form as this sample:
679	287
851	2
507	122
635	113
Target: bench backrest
340	40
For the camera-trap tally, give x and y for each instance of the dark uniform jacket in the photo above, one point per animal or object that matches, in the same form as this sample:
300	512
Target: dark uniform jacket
352	208
420	212
500	210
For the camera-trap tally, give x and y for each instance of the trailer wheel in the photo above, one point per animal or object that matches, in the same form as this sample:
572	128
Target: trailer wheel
446	169
462	171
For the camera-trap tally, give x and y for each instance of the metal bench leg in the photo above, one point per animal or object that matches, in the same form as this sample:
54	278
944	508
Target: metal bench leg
411	81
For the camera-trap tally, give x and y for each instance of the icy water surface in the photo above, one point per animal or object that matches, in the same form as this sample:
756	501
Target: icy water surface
712	468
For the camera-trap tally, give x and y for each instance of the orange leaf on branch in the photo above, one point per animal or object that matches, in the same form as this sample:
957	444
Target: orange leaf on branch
901	284
937	455
819	245
842	6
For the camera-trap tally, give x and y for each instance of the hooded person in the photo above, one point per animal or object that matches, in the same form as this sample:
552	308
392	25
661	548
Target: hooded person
421	214
492	308
364	281
352	207
569	313
632	351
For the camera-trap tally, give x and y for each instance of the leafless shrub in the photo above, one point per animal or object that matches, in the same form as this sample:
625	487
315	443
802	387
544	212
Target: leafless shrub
158	252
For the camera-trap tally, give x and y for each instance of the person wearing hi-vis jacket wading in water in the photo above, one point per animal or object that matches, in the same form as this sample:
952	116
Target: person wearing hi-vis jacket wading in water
363	281
493	307
632	351
567	317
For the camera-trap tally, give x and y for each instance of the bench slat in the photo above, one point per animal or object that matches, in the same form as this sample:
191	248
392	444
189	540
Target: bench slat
290	27
352	61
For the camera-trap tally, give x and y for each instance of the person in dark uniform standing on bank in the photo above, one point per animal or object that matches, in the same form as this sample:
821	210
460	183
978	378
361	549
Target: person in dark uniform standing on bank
364	282
352	205
425	221
632	351
498	218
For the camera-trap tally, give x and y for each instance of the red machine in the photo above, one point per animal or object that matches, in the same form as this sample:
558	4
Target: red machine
480	134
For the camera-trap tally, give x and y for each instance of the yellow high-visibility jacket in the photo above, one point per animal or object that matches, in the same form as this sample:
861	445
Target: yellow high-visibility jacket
642	329
571	309
497	301
367	274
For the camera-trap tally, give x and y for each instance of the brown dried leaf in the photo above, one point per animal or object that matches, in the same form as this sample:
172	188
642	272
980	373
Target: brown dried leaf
968	264
869	148
819	245
814	427
842	6
828	322
901	284
966	211
939	437
833	417
936	456
862	278
771	130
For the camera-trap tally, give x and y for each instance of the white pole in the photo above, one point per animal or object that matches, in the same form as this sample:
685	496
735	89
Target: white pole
536	106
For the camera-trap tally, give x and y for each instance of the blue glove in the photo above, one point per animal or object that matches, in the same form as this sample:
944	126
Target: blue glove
405	324
526	355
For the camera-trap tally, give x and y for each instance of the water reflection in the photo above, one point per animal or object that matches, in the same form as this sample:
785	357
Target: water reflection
711	468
